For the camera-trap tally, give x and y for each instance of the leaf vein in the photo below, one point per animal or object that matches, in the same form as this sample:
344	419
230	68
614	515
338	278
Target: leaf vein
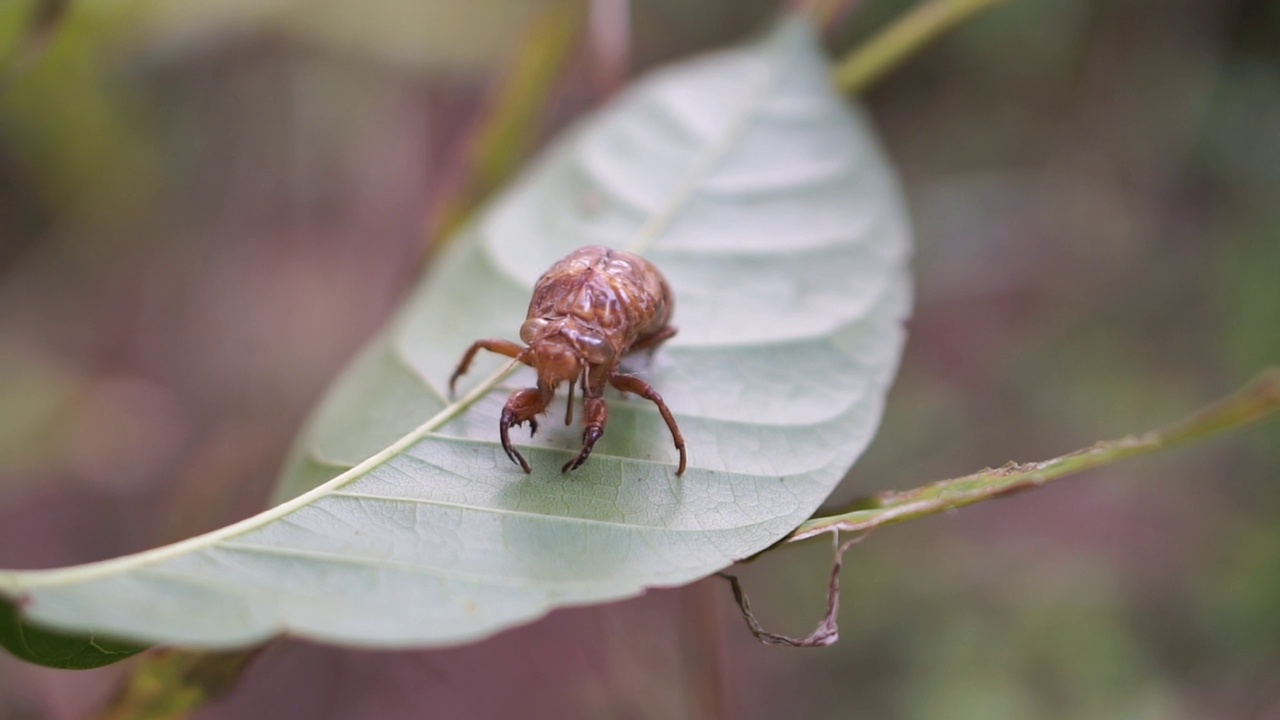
510	512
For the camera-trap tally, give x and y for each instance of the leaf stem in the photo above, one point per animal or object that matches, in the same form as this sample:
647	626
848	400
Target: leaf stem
1255	401
864	65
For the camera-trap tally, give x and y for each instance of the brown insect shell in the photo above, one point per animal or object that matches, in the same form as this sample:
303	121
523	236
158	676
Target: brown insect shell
595	302
587	344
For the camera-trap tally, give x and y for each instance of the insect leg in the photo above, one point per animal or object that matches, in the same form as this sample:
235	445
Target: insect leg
633	384
502	347
521	407
568	408
594	416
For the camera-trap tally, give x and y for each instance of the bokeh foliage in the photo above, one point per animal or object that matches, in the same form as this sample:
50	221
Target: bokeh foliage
1092	184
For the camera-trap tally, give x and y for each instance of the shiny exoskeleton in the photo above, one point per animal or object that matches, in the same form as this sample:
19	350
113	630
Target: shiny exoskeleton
588	311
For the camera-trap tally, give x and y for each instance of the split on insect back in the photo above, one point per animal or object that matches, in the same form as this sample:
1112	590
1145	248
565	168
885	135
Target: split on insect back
588	311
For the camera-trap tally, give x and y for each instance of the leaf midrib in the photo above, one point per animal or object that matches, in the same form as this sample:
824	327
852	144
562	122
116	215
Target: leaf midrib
567	519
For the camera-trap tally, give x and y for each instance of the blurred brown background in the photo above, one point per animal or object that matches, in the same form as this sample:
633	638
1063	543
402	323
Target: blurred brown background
206	207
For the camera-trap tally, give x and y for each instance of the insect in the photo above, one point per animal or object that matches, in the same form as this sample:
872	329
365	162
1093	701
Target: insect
588	311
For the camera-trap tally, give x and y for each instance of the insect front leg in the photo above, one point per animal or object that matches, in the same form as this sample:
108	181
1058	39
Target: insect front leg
524	406
502	347
595	413
633	384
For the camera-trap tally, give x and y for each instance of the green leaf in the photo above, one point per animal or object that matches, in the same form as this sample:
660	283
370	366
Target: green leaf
762	195
57	650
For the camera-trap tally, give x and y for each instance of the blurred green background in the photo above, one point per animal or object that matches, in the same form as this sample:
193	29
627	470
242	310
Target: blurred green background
207	206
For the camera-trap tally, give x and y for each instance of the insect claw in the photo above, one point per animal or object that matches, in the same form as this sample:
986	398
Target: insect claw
577	461
589	438
533	426
518	459
504	428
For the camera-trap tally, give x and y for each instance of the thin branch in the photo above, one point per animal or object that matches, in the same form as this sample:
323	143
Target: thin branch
866	64
610	39
827	631
1253	402
511	120
47	17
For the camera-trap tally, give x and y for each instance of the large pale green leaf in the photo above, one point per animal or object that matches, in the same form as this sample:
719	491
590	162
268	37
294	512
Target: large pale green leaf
762	195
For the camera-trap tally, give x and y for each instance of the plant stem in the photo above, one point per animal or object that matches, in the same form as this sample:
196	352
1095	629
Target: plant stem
864	65
1253	402
171	684
511	120
823	12
46	19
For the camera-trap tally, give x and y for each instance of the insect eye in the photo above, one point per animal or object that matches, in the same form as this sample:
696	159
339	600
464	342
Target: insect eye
530	330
